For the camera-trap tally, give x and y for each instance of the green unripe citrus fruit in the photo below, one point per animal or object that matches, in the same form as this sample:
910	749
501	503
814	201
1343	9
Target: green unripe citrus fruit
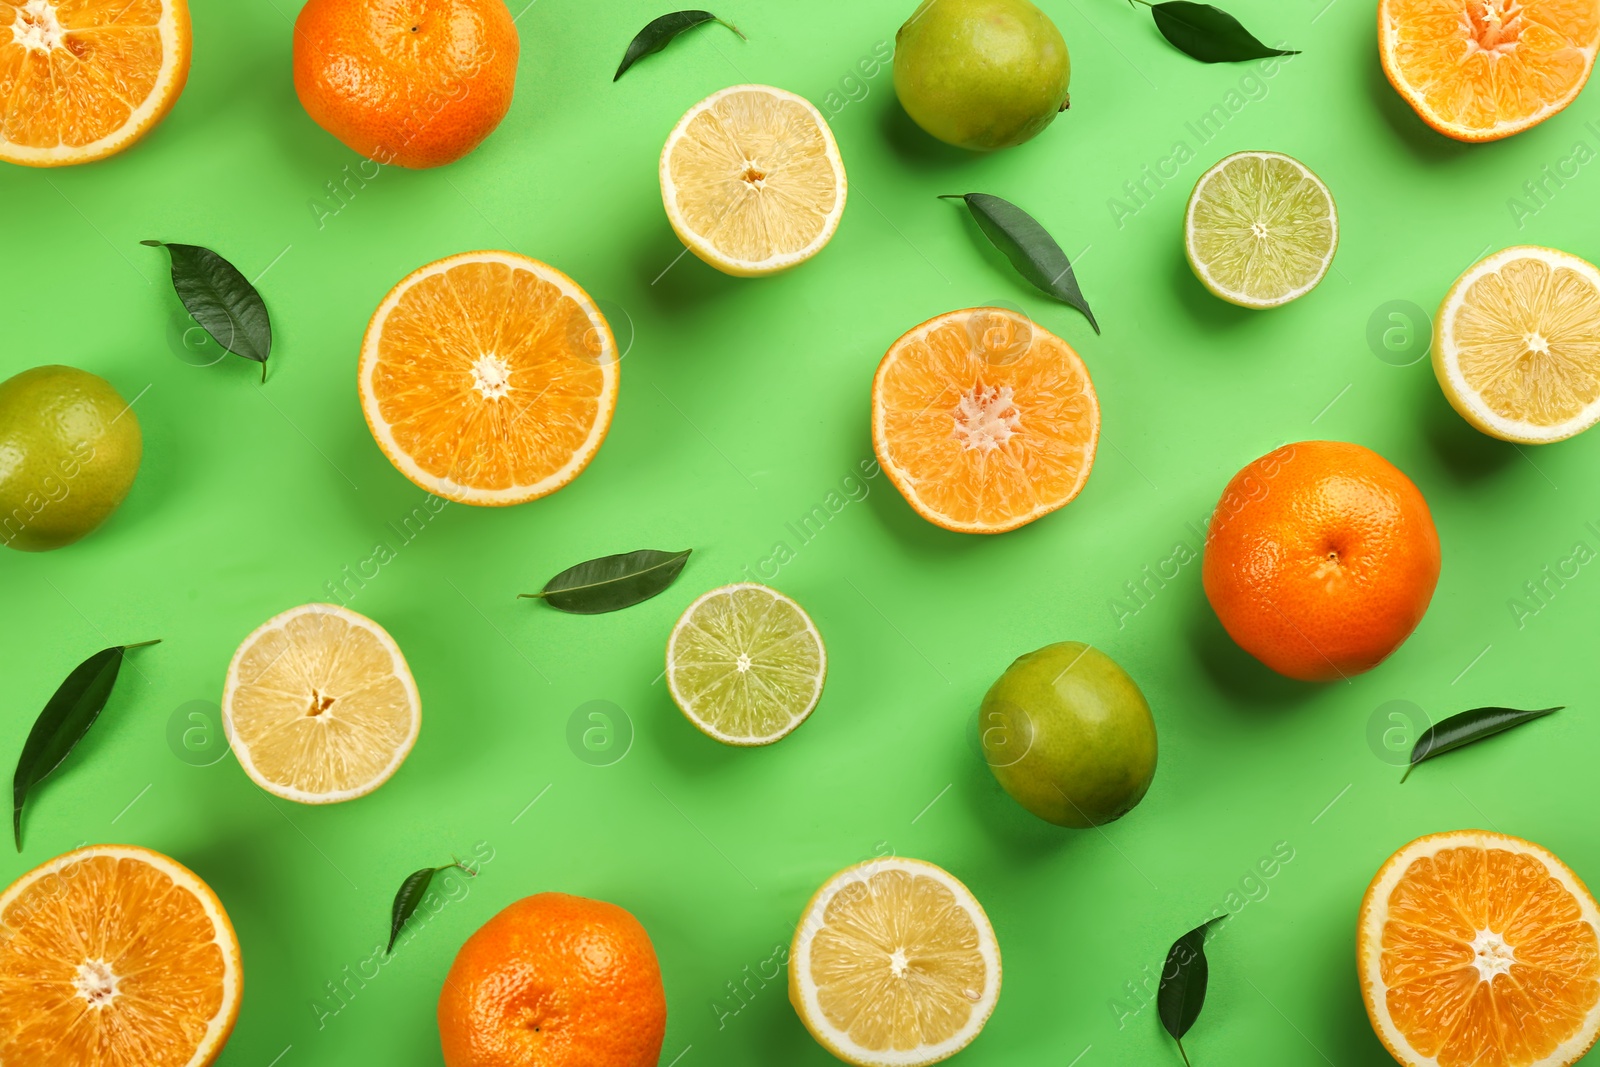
981	74
69	450
1068	734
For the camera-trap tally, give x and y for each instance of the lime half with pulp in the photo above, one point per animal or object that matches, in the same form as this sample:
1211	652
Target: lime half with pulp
745	664
1260	229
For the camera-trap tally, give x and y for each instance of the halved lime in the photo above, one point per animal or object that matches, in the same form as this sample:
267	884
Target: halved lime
1260	229
745	664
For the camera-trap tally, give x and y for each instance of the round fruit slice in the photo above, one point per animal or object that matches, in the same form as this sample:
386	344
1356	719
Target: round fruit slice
319	705
745	664
1476	948
1260	229
1517	350
1479	70
115	956
489	378
894	964
984	420
84	79
752	180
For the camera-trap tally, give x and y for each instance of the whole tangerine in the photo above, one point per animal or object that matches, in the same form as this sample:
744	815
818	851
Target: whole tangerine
418	83
554	981
1321	559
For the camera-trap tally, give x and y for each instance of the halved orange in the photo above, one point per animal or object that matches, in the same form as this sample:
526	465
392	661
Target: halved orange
1480	70
83	79
984	420
489	378
115	956
1479	949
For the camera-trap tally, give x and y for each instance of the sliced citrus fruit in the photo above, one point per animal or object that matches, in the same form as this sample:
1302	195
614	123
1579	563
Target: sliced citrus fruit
319	705
894	964
1479	70
984	420
1517	345
745	664
115	956
489	378
752	180
1260	229
84	79
1479	949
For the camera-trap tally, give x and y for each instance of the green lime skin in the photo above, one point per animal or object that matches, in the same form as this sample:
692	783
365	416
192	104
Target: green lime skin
1069	735
981	74
69	450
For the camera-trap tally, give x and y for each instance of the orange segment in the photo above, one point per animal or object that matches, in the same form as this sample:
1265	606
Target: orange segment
489	378
115	956
1480	949
1479	70
984	420
83	79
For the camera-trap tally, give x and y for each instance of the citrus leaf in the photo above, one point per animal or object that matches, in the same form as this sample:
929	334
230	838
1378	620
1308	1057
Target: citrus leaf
1460	730
1182	992
221	300
412	891
1209	34
65	720
610	583
660	32
1028	246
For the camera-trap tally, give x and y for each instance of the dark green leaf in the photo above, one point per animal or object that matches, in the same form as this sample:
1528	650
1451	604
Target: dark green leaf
660	33
1028	246
1467	727
221	300
412	890
612	582
63	722
1182	992
1209	34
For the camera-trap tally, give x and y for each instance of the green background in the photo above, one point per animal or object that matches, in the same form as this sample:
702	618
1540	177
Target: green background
743	405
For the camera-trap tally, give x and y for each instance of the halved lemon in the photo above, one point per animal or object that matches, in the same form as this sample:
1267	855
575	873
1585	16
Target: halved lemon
752	180
984	420
319	705
1517	350
115	956
1477	948
745	664
84	79
1479	70
894	964
1260	229
488	378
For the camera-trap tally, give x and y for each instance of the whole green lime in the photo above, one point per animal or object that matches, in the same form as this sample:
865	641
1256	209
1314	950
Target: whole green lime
1068	734
981	74
69	450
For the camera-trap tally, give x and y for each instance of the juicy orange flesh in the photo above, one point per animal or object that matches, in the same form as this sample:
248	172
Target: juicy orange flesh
489	375
990	419
1479	63
1528	341
1437	995
783	661
74	71
896	963
107	916
753	176
318	705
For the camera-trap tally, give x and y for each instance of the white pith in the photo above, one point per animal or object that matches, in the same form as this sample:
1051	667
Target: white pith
1448	358
448	488
810	1007
986	417
36	27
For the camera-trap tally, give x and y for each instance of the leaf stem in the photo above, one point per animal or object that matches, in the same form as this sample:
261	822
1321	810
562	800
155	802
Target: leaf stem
263	372
1409	768
532	596
1181	1051
734	28
142	644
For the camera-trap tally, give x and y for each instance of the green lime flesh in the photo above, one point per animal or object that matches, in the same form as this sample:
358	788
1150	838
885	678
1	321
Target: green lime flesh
1069	735
981	74
69	451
